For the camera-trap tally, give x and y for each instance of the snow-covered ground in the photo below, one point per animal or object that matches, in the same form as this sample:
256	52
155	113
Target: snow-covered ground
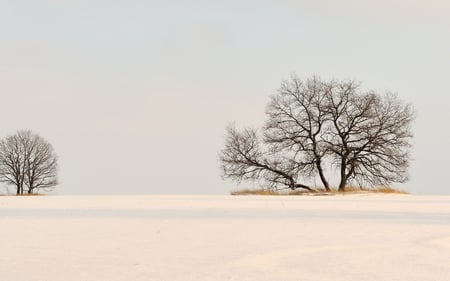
196	238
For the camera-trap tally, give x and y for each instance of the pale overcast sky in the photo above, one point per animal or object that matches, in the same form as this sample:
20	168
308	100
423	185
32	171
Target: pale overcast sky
135	95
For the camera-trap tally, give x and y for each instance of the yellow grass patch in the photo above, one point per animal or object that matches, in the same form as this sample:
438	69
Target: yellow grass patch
321	191
24	195
260	191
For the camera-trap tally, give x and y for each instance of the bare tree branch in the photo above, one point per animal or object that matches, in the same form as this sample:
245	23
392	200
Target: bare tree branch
295	122
244	160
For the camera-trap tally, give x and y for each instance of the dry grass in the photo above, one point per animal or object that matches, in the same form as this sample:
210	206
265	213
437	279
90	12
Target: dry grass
255	192
262	191
387	189
380	189
316	192
321	191
24	195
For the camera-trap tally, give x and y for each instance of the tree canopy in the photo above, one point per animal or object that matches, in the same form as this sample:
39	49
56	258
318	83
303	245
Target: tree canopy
316	128
28	162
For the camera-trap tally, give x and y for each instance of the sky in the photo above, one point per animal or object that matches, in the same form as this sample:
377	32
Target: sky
135	95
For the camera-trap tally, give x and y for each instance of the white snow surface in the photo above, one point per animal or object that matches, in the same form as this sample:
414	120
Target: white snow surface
196	238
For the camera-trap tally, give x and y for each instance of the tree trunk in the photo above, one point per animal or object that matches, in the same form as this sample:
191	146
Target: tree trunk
342	185
322	176
343	181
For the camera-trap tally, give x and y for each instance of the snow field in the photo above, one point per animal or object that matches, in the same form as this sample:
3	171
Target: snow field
187	238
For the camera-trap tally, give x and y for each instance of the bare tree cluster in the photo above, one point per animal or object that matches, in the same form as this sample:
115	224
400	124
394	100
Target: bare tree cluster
27	162
365	137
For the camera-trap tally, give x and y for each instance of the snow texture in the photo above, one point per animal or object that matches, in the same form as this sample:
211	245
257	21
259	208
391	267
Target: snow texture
197	238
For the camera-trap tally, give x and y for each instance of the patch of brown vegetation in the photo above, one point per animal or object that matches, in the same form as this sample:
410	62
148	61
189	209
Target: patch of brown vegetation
321	191
24	195
260	191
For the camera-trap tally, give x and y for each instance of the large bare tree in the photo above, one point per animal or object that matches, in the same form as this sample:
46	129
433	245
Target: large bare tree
363	137
28	162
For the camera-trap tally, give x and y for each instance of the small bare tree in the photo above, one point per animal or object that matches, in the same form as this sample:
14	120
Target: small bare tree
27	161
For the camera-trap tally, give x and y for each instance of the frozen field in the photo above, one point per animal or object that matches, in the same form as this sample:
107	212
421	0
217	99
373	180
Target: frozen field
196	238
